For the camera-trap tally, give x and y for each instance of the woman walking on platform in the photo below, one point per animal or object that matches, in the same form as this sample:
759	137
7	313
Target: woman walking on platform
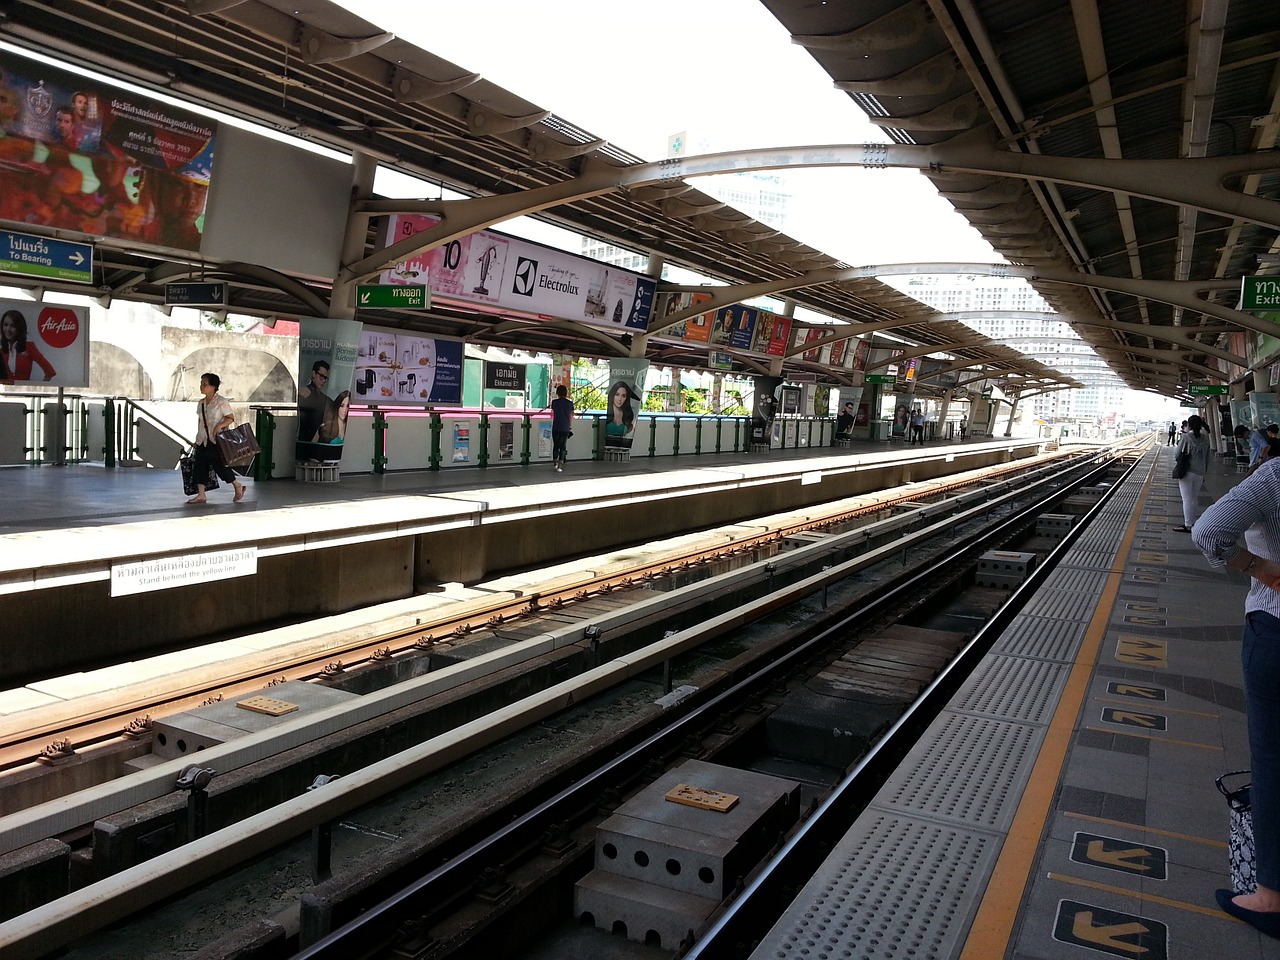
214	416
1251	511
1195	444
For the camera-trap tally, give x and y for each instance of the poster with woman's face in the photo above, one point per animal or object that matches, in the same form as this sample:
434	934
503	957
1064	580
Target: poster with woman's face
44	344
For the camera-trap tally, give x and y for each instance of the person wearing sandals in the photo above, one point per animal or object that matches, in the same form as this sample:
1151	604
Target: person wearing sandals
214	415
1195	444
1241	532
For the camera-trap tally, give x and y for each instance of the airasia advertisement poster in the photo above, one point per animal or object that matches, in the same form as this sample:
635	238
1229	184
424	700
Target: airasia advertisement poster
43	344
79	155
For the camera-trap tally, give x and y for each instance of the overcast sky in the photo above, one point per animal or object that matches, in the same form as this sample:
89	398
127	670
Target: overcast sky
722	71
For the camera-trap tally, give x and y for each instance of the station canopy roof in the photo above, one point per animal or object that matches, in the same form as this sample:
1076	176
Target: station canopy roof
979	87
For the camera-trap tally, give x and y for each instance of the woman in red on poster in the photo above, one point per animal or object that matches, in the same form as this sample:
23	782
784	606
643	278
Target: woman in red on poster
19	353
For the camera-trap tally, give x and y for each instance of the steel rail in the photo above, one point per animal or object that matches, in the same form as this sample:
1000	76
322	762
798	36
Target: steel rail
375	924
61	922
115	714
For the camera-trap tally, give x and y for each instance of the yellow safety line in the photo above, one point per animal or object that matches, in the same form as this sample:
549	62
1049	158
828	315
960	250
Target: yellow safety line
1146	897
1149	736
993	925
1124	825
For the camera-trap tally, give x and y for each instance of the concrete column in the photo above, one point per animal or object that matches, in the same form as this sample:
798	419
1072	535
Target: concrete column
1013	412
342	298
943	410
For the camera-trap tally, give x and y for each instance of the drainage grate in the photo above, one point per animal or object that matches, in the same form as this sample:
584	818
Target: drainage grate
906	890
965	768
1013	688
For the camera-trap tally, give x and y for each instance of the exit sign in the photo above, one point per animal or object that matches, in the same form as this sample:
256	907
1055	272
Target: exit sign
1260	293
195	294
393	295
880	378
1208	388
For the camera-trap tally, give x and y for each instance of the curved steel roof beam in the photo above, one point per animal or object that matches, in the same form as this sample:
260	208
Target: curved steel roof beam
1191	182
316	46
930	78
409	87
902	28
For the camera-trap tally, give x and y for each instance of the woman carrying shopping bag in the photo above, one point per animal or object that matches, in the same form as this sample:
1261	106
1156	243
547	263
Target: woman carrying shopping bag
214	417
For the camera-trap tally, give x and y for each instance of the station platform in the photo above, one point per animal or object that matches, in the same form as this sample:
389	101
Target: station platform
1064	805
102	566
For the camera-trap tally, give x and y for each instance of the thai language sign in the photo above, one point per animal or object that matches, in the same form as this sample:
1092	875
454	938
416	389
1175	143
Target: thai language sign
165	573
1260	293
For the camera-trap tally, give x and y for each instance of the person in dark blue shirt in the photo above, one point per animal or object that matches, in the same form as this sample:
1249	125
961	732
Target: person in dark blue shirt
561	423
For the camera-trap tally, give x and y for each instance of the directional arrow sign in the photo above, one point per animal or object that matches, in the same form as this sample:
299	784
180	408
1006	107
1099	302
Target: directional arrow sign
393	295
1136	690
1113	854
879	378
44	257
195	294
1131	718
1117	934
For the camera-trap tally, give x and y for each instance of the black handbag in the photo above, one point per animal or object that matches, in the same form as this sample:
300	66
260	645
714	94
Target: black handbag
1181	465
238	445
187	464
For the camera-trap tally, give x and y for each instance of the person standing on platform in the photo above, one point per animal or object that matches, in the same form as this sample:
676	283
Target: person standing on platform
214	415
917	426
1173	432
1251	511
1195	444
561	424
1257	447
964	428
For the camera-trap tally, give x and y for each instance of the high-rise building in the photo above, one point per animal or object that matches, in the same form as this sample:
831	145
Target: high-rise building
1020	318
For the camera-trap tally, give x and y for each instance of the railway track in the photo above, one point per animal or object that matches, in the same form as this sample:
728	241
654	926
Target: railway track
58	733
936	520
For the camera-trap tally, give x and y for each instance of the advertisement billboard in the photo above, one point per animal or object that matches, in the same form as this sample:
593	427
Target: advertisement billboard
44	343
80	155
397	367
327	351
624	400
489	267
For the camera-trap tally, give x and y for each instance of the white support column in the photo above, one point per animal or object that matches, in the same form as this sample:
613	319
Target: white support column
1013	412
342	298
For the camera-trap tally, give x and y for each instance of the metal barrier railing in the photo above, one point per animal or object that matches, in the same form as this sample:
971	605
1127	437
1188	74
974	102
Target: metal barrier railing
118	428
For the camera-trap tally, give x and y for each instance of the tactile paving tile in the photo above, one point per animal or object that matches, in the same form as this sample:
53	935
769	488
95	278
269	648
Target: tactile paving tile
903	889
965	769
1014	688
1042	637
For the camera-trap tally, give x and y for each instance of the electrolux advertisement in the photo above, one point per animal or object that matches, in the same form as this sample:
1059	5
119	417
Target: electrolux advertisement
397	367
44	343
77	154
489	267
